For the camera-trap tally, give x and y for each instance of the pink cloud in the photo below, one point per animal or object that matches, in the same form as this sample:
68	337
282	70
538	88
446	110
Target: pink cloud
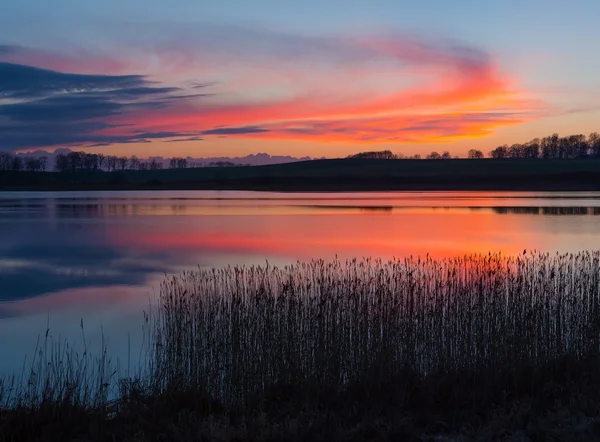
326	89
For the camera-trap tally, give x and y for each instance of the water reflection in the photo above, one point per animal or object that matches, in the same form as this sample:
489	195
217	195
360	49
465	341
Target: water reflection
547	210
101	255
51	252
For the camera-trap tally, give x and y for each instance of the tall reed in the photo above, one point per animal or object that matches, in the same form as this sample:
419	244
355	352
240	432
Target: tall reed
234	333
237	331
61	374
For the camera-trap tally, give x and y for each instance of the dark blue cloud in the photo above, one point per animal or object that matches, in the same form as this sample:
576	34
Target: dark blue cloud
235	130
185	139
19	81
61	108
42	108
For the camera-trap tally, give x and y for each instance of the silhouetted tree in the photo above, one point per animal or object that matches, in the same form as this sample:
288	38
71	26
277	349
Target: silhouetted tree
499	152
222	164
17	163
578	146
111	163
5	161
134	162
514	151
43	163
101	160
446	155
594	144
155	165
90	161
552	147
32	164
61	163
377	155
75	161
122	162
475	154
532	149
434	156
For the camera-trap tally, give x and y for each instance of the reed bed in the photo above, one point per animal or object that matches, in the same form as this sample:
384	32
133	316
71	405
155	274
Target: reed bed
62	374
341	350
237	331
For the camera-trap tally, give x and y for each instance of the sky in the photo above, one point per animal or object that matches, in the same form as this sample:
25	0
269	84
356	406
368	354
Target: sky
323	78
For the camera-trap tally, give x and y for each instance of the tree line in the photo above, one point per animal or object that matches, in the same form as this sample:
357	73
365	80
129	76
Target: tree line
389	155
91	162
73	161
551	147
18	164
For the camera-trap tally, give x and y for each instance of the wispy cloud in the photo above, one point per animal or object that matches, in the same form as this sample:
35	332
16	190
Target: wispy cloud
260	84
41	107
245	130
179	140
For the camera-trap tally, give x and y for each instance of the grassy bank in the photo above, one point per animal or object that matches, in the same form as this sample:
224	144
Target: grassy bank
333	175
479	347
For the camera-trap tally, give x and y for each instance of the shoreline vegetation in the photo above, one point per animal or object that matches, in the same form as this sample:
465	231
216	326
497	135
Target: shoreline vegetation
349	174
479	347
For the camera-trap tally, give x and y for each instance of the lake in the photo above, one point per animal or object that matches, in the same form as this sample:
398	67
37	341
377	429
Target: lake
100	256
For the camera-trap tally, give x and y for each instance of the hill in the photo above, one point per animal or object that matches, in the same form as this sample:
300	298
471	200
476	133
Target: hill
333	175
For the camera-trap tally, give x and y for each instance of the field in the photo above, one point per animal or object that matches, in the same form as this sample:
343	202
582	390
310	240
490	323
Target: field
335	175
481	347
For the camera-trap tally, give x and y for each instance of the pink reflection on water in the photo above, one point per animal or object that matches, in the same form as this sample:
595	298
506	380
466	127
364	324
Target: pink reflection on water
438	232
172	235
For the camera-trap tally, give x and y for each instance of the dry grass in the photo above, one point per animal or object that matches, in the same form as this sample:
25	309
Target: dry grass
480	345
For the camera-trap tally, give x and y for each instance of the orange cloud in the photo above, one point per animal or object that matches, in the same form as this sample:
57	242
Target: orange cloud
384	89
427	93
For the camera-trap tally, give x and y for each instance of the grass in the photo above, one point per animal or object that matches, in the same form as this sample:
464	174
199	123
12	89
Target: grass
480	347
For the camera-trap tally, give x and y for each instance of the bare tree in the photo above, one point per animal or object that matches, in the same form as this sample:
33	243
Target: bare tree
43	163
17	164
101	159
377	155
499	152
122	161
5	161
475	154
90	161
32	164
155	165
433	156
111	163
134	162
61	163
75	160
594	143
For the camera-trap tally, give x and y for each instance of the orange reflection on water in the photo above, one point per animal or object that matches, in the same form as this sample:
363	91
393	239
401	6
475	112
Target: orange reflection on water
101	255
437	232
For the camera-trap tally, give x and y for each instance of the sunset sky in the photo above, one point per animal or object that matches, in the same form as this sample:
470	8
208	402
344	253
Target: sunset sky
317	78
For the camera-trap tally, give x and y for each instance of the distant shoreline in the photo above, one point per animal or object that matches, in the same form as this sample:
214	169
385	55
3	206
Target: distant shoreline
346	175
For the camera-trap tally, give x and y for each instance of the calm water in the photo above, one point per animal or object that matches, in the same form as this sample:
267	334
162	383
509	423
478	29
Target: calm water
100	256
